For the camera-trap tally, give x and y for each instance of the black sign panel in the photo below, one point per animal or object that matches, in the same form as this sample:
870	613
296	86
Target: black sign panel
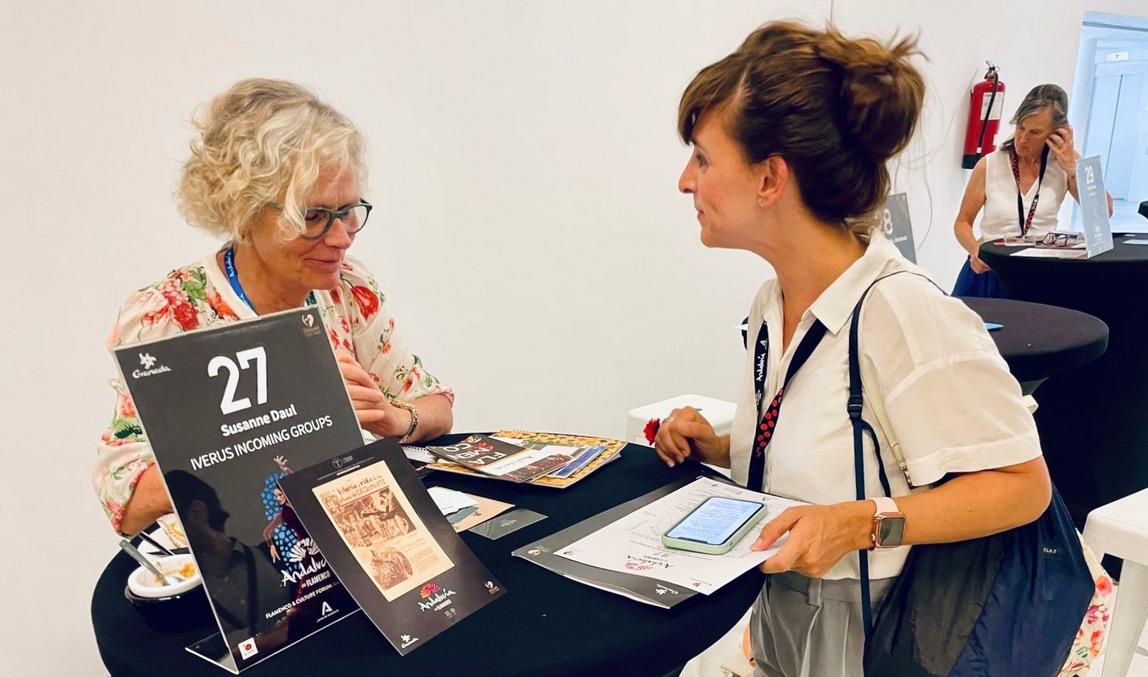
390	545
228	413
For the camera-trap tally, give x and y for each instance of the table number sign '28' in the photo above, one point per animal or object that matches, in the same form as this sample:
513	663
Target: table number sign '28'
228	404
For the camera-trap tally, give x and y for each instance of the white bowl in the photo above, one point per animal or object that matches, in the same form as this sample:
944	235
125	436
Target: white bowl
143	582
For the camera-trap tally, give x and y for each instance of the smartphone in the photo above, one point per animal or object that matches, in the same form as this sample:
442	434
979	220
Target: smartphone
715	525
993	326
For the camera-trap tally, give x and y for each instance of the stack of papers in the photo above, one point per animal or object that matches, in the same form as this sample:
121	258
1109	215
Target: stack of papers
567	458
464	511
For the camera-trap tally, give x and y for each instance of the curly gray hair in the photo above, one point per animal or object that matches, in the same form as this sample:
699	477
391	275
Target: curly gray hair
261	142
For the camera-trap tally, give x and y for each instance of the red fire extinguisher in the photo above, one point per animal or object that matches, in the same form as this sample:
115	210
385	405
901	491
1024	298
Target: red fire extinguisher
985	107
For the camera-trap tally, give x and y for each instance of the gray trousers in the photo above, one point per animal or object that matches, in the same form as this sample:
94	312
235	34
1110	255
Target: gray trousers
804	627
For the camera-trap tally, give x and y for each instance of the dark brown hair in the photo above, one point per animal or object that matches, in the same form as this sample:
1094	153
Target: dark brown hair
833	108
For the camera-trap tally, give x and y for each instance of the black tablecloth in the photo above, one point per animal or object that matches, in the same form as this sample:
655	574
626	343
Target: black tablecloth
544	625
1037	340
1092	421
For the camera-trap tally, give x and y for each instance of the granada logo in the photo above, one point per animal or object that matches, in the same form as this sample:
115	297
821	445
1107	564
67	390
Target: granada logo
308	320
148	362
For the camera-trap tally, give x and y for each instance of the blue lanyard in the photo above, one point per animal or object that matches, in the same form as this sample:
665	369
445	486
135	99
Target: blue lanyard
233	276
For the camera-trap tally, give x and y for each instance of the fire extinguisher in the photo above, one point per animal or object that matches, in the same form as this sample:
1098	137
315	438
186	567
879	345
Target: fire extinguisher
985	105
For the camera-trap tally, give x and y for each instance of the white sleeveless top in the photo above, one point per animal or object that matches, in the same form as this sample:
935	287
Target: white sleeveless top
1000	217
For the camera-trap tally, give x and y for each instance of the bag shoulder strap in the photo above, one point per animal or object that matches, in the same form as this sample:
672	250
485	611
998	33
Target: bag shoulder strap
854	408
865	377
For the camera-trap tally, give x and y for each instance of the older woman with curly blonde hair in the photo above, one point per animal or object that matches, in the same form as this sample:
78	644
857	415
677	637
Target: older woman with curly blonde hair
278	174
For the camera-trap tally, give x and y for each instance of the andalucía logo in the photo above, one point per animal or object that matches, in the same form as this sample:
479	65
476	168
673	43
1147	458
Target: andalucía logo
436	597
147	361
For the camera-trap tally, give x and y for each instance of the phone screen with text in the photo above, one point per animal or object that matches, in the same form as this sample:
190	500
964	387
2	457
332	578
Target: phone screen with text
715	520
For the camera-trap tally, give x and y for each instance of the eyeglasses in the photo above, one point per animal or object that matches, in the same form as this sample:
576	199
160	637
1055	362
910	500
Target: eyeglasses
317	221
1061	239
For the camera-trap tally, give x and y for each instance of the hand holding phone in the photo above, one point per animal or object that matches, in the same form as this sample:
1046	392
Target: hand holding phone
715	525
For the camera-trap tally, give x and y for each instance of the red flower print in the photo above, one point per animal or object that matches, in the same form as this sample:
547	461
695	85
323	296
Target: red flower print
1104	585
220	306
126	408
185	315
651	429
345	324
386	347
368	301
335	294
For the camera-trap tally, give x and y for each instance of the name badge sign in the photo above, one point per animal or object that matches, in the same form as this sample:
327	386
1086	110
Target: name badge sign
897	227
228	413
1093	206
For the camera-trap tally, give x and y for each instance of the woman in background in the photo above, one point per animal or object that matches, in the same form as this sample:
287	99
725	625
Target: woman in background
1020	187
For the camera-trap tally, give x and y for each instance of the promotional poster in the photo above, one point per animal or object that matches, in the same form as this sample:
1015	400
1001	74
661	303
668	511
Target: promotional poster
229	412
389	543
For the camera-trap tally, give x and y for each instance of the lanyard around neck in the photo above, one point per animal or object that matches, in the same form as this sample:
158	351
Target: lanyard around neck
767	419
233	276
1015	161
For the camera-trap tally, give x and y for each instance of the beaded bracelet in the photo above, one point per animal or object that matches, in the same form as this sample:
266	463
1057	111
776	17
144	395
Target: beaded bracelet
414	417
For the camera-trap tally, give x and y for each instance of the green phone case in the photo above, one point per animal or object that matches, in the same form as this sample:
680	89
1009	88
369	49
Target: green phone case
706	548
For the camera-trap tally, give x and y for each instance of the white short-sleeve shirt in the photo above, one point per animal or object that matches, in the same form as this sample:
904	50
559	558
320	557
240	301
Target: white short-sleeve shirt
948	395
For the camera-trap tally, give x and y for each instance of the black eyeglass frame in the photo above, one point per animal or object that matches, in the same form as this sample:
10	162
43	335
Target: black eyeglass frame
333	214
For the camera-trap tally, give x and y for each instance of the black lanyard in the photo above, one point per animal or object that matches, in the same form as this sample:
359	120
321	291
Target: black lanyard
767	419
1015	161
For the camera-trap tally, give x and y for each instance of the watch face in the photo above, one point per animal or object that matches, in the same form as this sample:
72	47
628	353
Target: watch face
891	531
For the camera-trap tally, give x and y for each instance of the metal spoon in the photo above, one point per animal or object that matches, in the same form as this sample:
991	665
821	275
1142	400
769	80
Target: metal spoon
139	557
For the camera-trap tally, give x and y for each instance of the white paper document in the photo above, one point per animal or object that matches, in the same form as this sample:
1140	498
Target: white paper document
633	544
1057	253
450	501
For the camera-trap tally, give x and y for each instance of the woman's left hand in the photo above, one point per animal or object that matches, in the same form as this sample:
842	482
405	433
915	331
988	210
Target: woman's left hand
1060	142
819	536
372	409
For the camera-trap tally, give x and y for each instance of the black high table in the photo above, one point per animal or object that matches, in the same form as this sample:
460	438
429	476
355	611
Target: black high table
1038	341
1092	421
544	625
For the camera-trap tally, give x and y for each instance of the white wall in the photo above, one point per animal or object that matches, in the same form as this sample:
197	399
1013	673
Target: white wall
528	233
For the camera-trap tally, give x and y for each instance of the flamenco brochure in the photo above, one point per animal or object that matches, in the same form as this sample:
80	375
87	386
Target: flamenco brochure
389	543
585	454
501	459
228	412
621	551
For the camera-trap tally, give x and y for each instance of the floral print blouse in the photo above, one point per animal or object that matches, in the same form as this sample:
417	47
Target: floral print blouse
199	296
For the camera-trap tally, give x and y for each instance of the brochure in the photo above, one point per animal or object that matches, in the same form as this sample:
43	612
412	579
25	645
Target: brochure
501	459
653	584
585	455
633	544
389	543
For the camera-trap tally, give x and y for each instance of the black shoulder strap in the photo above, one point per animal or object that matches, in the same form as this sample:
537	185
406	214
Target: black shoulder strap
860	427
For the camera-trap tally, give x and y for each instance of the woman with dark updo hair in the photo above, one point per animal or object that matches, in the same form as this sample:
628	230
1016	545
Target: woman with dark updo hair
791	134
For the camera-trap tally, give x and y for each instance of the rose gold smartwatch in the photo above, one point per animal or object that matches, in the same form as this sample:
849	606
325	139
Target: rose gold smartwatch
888	524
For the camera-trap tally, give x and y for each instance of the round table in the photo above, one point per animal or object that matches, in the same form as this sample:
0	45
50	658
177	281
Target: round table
544	625
1038	341
1091	420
